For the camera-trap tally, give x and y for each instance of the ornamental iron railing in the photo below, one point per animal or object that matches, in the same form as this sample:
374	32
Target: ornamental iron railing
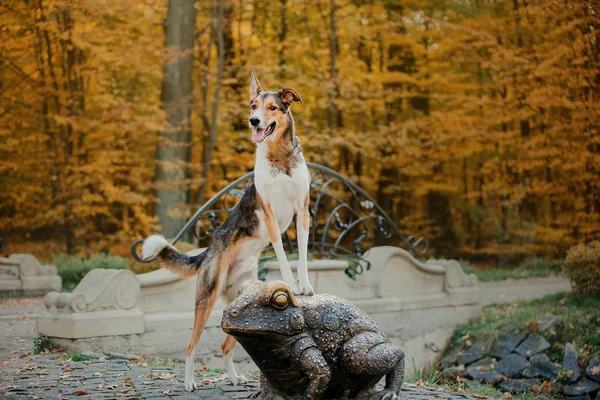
346	221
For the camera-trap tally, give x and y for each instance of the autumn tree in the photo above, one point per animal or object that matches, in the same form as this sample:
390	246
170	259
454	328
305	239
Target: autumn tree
173	151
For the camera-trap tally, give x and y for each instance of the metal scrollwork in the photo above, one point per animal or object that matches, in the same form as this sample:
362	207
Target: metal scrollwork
346	221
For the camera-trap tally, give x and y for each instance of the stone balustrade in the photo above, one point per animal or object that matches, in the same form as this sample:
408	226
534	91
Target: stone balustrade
417	304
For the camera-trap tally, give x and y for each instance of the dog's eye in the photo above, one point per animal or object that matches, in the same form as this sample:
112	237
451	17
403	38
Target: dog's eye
280	300
272	108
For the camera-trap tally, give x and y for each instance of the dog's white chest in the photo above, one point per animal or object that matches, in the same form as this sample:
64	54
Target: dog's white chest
284	193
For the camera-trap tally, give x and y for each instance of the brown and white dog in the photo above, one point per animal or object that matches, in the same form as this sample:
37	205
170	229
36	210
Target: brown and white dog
280	190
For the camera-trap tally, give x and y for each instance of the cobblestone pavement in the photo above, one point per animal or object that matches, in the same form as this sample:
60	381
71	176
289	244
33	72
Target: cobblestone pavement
50	376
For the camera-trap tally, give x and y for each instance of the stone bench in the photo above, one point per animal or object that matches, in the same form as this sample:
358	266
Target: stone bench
22	275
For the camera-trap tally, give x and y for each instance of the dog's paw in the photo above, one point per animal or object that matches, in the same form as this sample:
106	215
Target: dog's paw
190	385
305	289
294	287
238	380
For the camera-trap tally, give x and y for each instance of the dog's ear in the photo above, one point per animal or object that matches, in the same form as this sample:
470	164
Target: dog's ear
255	87
288	95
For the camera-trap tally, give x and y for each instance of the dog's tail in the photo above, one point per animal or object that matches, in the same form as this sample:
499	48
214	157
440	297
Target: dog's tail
171	258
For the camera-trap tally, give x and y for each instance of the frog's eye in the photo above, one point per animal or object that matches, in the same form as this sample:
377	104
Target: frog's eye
280	300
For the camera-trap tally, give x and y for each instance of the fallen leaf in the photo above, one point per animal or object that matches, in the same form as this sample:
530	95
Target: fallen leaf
166	376
80	392
127	379
532	326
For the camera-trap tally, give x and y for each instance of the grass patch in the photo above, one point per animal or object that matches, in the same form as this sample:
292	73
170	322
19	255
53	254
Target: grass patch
488	391
429	376
72	269
42	344
77	356
581	322
533	267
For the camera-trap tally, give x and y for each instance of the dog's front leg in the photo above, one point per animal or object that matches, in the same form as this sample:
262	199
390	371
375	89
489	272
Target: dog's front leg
275	238
302	228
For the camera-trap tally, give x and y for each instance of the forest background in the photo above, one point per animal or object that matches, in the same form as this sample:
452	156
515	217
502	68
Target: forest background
471	122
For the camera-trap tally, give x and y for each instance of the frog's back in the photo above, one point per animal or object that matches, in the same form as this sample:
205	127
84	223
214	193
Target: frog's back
332	320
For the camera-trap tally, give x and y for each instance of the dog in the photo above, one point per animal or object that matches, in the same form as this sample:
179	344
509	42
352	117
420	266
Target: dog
280	191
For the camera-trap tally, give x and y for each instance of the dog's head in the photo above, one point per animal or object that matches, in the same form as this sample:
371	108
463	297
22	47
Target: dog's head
270	113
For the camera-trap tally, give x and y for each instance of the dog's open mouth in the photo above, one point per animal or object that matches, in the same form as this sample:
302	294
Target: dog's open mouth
259	134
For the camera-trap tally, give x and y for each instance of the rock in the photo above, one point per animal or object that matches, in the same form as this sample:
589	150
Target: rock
570	363
483	371
535	343
92	354
492	377
122	356
473	353
519	385
550	324
512	365
593	369
580	397
540	367
505	345
556	387
582	387
451	357
478	369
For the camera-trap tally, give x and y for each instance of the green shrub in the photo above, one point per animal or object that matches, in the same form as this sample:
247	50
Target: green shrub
582	265
72	269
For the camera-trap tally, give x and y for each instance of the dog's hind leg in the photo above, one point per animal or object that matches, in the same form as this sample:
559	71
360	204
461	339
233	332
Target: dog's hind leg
227	348
206	295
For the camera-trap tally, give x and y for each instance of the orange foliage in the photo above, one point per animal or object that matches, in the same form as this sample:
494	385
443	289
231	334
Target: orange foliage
472	123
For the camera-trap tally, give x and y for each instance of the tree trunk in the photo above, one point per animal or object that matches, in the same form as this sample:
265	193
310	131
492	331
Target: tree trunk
333	49
218	14
173	153
282	36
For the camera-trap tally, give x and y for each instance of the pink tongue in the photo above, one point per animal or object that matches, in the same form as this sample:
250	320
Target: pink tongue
257	135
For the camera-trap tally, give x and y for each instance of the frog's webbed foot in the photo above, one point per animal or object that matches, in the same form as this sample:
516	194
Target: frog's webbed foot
262	394
385	394
265	392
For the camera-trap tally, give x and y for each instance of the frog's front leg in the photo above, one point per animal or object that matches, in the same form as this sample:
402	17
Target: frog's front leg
311	362
370	353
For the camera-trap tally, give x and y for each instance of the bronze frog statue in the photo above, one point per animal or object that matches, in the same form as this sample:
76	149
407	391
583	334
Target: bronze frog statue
312	347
